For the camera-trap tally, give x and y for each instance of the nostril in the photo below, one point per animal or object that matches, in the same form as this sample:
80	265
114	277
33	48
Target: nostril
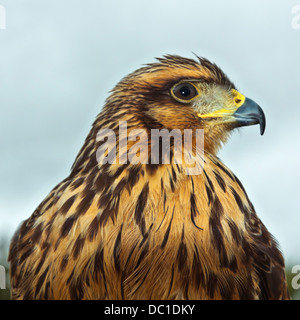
237	100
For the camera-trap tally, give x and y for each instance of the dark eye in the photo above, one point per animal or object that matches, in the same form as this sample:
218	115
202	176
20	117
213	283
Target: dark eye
184	92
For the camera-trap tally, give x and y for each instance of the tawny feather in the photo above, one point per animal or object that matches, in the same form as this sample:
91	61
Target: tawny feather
149	231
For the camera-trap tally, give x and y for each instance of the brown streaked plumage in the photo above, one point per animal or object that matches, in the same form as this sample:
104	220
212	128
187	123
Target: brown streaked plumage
150	231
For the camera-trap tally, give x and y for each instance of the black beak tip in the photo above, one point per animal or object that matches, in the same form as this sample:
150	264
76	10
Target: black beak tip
251	113
262	123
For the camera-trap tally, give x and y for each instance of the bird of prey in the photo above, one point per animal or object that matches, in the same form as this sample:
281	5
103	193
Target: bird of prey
120	229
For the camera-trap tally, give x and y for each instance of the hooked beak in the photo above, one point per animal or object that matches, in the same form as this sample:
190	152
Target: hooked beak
250	113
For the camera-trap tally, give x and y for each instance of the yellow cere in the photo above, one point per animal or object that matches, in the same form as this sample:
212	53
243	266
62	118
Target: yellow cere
239	98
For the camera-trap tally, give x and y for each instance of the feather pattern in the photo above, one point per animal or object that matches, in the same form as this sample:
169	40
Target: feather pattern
148	231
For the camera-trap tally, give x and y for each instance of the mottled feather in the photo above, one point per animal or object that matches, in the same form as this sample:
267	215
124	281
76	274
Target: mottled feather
148	231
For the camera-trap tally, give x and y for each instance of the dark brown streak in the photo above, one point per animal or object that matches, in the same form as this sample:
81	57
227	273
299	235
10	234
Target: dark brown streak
67	205
26	255
239	202
171	282
219	165
64	263
209	194
42	259
166	236
209	182
78	246
166	211
235	232
172	184
143	254
194	210
133	176
41	281
129	256
99	265
140	206
66	227
220	181
182	253
117	250
93	228
217	231
85	202
146	236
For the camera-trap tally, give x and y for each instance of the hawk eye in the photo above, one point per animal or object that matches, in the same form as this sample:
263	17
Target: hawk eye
184	92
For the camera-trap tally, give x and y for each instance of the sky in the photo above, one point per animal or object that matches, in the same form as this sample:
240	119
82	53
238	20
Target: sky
60	59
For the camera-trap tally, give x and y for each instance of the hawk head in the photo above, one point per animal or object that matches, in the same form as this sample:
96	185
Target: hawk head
181	93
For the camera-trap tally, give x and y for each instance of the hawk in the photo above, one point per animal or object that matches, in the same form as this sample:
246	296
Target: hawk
121	229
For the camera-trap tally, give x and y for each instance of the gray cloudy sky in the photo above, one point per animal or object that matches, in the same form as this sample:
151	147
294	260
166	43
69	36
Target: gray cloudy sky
59	59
